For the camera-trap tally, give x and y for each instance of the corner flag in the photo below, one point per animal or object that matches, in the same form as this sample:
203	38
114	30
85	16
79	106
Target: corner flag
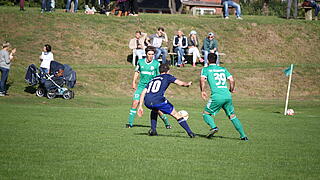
288	72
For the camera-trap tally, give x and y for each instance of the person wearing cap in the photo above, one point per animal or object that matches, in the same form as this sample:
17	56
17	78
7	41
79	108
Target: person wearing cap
226	4
5	62
193	44
180	43
210	45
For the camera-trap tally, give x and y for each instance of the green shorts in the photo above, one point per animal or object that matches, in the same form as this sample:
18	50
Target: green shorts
214	105
137	93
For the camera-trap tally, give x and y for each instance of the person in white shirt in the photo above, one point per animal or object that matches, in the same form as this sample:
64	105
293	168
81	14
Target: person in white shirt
180	43
46	57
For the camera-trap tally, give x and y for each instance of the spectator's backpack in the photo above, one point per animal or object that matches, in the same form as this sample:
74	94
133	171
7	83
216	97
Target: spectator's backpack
69	76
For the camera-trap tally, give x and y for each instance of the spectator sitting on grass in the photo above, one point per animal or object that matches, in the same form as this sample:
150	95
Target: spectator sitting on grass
124	7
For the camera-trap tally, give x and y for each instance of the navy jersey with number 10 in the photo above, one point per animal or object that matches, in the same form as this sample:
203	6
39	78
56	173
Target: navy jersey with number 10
156	89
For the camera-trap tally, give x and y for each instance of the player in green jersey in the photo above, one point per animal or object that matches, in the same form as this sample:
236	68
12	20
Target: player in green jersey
220	96
147	68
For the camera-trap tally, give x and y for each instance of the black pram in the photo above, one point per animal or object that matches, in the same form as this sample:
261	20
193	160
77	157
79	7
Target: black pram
52	84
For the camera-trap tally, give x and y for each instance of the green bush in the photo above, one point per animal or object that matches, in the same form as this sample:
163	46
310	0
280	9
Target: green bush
276	8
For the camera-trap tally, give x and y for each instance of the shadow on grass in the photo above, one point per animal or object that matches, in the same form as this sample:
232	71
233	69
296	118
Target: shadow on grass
30	89
217	137
140	125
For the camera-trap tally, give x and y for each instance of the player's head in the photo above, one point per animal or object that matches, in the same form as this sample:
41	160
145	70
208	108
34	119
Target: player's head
150	52
164	68
212	58
47	48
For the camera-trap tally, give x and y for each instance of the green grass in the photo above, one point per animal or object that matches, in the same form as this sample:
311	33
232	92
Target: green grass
85	138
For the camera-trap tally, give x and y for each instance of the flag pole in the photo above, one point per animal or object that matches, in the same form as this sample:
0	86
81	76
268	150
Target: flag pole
288	91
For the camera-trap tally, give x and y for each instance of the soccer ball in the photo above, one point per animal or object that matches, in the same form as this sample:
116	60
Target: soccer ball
184	114
290	112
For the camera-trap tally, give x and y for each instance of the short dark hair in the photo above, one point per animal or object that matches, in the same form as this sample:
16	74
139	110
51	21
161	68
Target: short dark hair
212	58
48	47
160	28
138	32
150	48
163	68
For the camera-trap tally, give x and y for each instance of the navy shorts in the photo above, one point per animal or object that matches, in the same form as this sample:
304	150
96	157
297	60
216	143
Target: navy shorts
165	107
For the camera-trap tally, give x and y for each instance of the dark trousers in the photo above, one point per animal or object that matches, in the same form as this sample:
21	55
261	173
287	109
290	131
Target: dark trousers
4	77
134	7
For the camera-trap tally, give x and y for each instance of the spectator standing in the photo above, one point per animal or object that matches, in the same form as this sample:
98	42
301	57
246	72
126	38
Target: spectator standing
22	5
68	6
134	9
5	63
124	7
295	13
46	6
180	43
193	44
156	40
226	4
137	44
46	57
210	45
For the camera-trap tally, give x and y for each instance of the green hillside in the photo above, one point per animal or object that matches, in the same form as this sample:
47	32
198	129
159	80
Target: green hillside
257	50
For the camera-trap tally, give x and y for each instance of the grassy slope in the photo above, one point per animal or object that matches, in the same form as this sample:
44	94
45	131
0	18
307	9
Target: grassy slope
257	48
83	138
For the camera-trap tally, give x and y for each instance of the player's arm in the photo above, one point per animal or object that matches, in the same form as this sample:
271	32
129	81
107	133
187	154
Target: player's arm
140	109
202	87
134	81
182	83
232	84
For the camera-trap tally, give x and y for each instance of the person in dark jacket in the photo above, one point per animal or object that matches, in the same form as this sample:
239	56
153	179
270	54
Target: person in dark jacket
180	43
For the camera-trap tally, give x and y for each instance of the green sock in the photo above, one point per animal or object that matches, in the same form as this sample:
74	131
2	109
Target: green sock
209	120
132	114
165	119
237	124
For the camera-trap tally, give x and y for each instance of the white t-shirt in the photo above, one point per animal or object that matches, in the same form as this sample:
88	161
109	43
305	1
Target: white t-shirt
46	57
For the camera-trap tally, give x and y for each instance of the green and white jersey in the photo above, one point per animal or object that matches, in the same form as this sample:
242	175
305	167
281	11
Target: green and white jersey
147	70
217	78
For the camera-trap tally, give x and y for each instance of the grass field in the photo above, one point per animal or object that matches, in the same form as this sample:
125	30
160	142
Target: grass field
85	138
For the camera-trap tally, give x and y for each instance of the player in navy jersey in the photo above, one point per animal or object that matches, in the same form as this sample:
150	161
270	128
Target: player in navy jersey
153	98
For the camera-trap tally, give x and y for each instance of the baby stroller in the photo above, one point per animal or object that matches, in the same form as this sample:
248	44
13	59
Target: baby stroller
51	84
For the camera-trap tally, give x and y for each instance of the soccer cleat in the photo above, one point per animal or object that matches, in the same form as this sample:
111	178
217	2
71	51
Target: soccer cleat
191	135
152	132
212	132
244	139
168	127
129	126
